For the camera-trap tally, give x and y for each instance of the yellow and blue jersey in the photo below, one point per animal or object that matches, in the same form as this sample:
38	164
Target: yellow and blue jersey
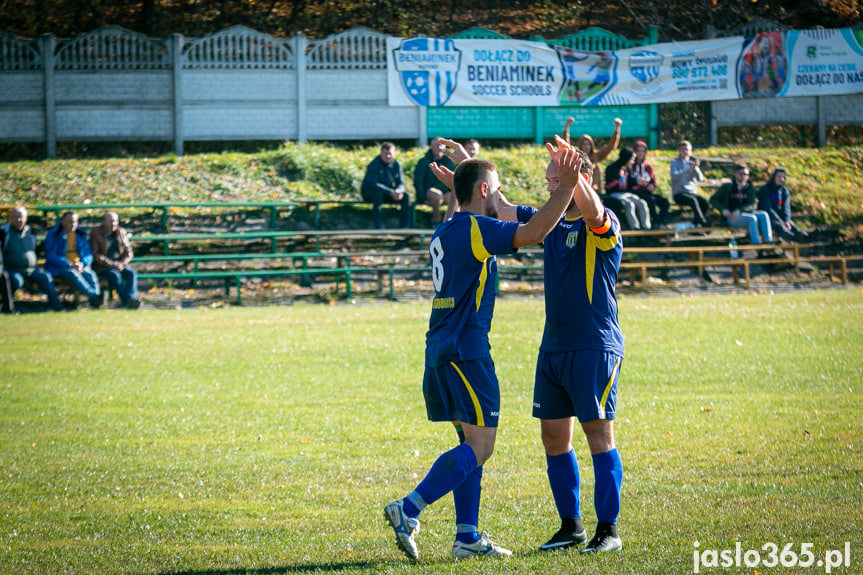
464	269
581	267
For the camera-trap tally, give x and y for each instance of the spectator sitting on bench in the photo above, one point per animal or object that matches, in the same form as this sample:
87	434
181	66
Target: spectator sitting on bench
685	175
736	201
68	257
775	199
617	178
19	253
384	182
430	190
112	253
642	183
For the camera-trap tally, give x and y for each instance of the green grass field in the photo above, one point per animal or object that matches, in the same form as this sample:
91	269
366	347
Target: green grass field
266	440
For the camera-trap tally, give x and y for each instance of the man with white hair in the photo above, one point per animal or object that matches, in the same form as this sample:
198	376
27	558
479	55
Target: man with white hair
19	254
112	253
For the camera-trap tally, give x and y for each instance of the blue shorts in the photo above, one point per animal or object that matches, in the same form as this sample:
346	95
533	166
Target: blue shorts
576	383
463	391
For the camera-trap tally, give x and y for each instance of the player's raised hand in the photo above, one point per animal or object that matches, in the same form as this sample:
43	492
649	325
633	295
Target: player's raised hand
442	173
569	167
561	146
454	151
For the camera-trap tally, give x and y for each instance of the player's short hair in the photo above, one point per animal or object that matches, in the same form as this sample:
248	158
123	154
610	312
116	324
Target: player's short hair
467	175
388	146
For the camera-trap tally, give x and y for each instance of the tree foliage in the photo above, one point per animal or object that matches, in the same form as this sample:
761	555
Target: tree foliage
676	19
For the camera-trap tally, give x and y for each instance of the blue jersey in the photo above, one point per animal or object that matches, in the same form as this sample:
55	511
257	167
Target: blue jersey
581	268
464	272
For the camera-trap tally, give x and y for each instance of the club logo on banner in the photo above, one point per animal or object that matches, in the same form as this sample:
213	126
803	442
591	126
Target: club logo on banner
645	68
428	68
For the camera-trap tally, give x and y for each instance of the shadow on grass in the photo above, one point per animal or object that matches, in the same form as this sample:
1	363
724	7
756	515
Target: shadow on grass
310	568
372	566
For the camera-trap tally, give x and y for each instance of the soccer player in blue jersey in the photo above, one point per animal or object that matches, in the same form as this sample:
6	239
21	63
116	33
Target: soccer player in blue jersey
579	359
460	385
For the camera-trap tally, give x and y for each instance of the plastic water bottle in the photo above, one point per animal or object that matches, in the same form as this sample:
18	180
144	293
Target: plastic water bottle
732	243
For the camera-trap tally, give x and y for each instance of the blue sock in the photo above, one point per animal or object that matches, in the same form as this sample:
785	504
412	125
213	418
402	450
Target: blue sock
608	474
565	483
466	499
447	473
467	533
413	504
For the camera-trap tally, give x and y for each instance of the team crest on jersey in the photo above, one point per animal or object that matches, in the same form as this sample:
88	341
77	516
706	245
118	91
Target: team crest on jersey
428	68
571	238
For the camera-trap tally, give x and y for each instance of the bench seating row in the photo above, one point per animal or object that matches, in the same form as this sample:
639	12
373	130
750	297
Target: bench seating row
345	268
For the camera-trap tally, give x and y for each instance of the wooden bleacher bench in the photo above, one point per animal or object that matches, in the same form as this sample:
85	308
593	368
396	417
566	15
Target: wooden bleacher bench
317	237
349	266
700	257
672	236
314	207
339	265
346	255
239	275
166	207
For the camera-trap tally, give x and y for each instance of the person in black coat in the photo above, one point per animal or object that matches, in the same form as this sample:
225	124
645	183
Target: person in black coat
775	199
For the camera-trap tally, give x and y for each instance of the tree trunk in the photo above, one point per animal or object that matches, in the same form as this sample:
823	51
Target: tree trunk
148	13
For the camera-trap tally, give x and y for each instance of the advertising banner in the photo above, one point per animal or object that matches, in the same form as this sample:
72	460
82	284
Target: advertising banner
436	72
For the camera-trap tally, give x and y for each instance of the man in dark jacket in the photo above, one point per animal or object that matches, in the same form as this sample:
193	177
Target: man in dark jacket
18	245
737	204
384	182
430	190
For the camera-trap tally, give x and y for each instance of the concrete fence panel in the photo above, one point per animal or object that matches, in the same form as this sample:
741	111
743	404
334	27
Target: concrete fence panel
239	84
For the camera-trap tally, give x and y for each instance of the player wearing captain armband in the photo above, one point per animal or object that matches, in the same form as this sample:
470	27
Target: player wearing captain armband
579	359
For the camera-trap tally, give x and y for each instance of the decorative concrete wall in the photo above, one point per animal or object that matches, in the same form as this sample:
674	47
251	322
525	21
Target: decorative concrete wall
238	84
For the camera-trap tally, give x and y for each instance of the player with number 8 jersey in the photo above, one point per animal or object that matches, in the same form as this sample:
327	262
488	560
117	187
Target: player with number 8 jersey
459	383
464	268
